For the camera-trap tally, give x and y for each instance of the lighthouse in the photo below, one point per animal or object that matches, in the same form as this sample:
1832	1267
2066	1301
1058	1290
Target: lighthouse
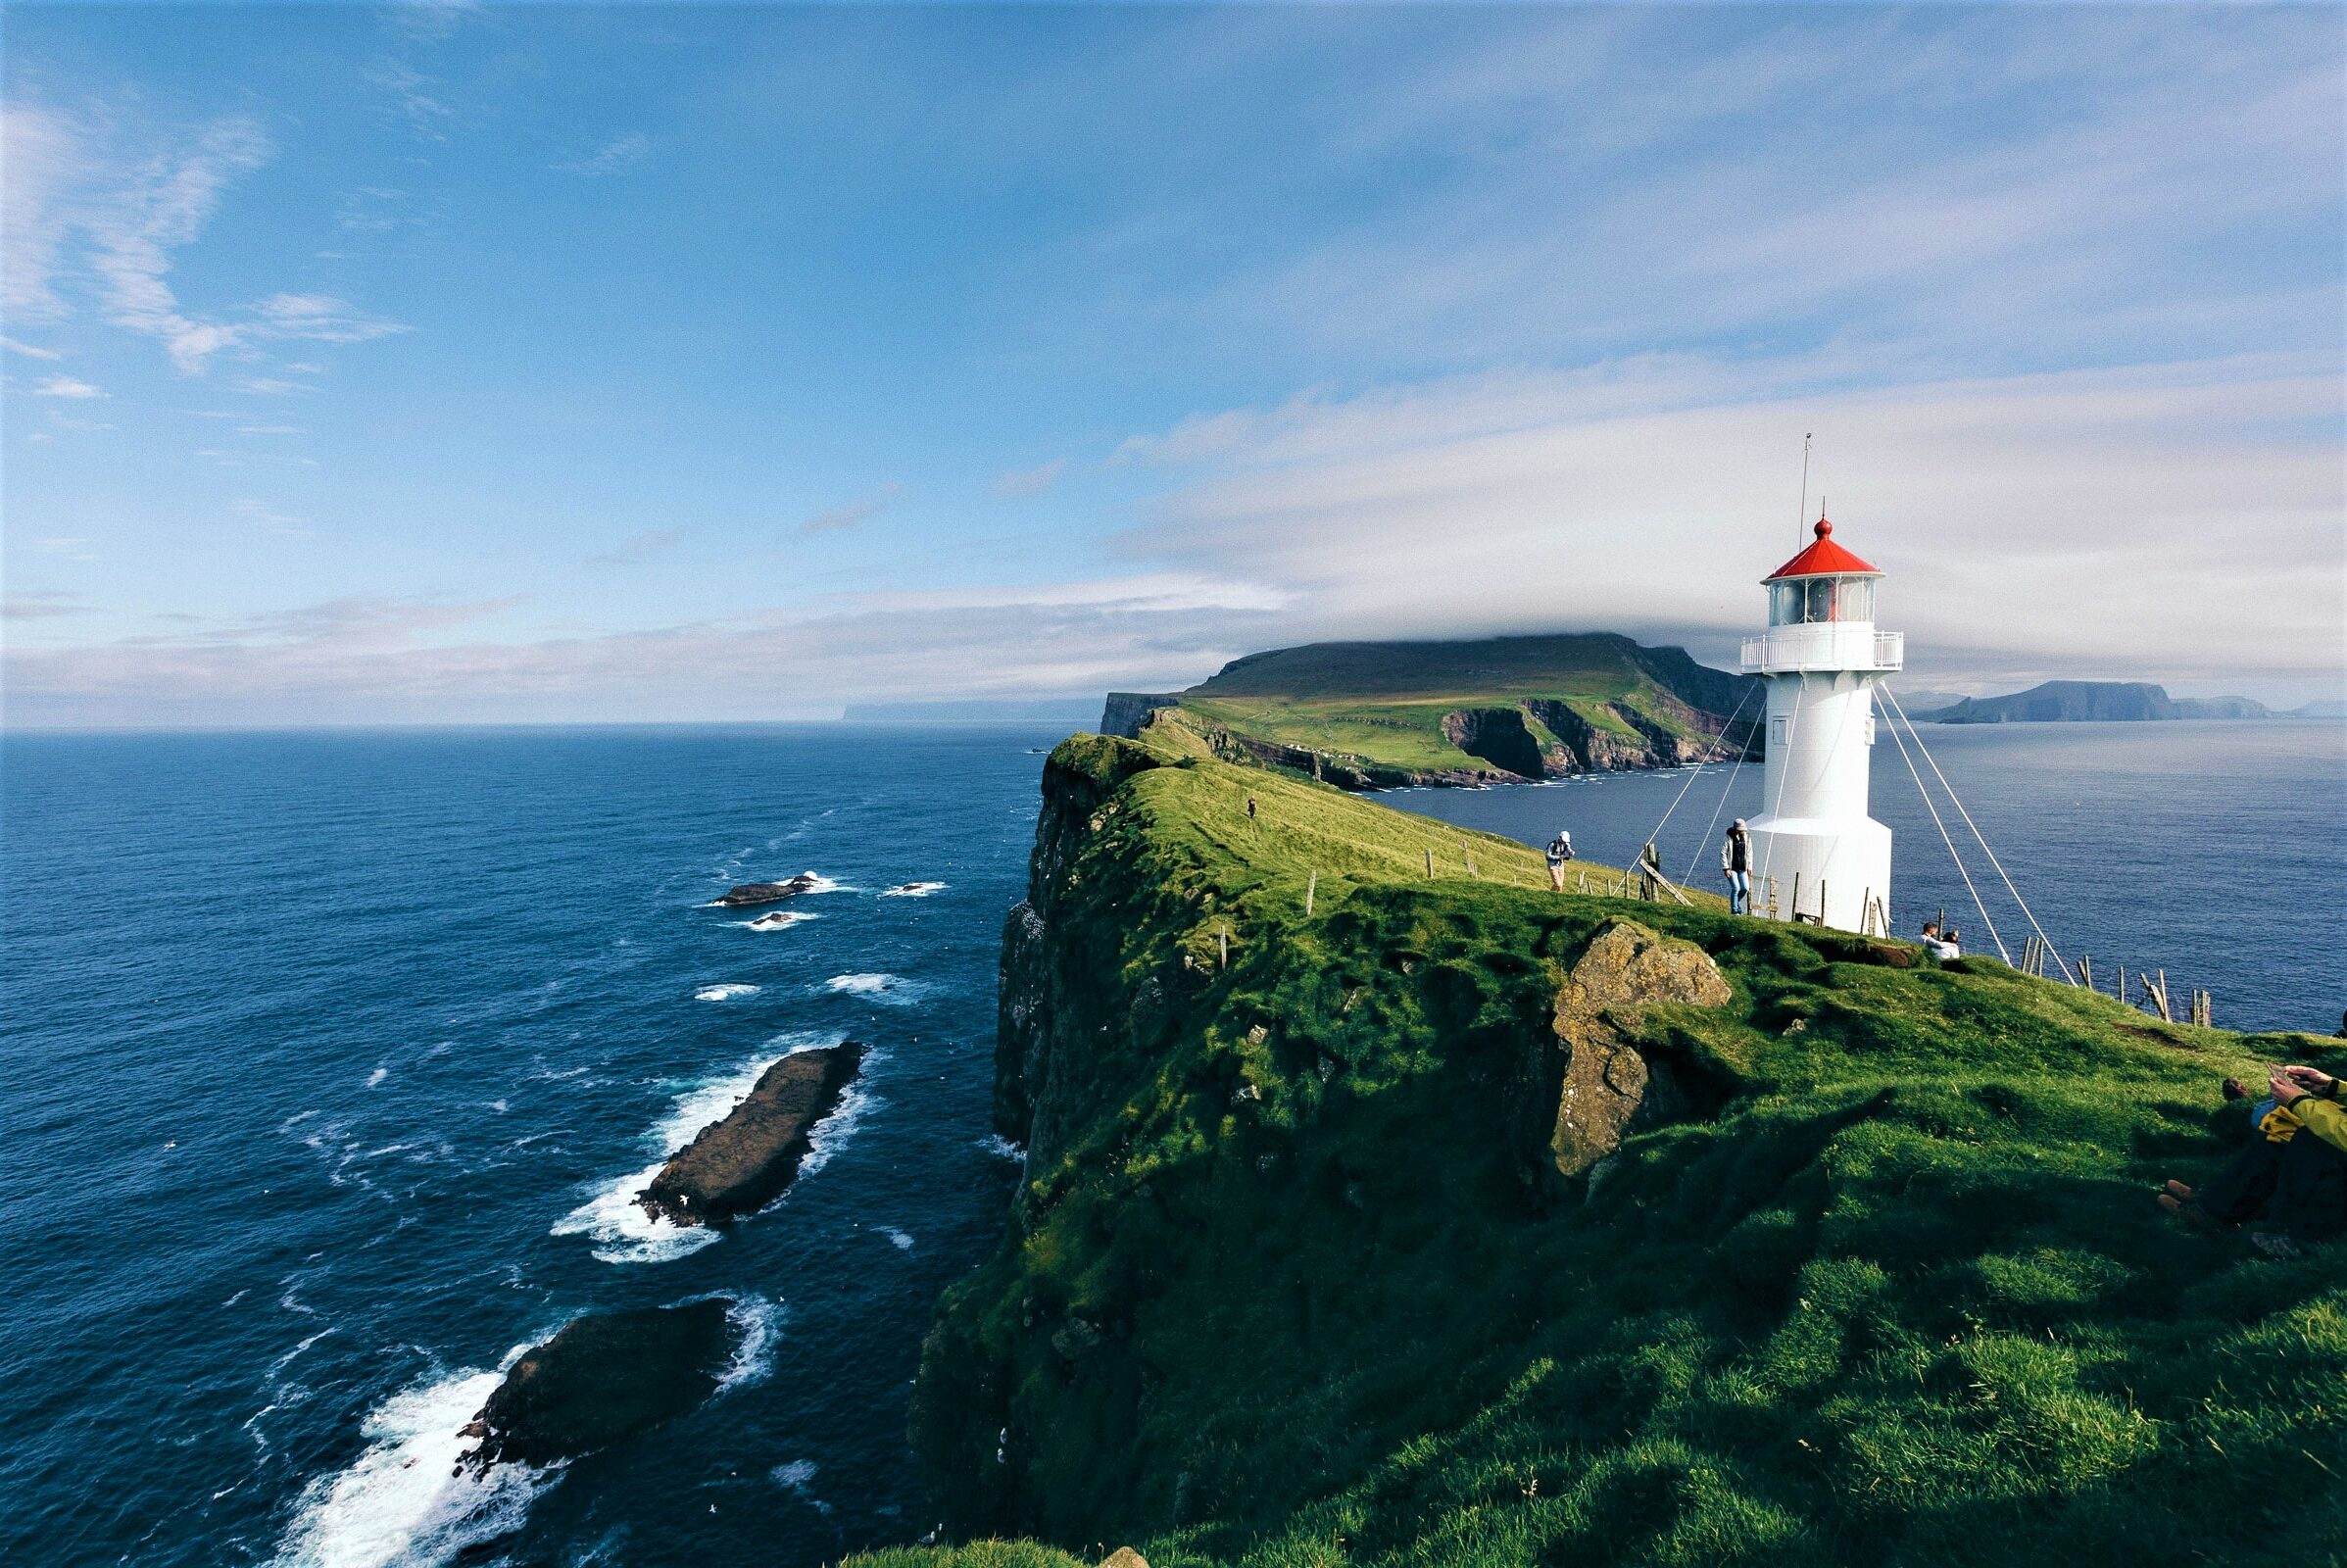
1816	855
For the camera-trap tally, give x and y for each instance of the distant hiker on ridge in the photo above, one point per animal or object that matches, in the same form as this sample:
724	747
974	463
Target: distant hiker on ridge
1735	864
1560	850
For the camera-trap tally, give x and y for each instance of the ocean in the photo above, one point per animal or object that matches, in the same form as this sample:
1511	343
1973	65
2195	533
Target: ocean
332	1058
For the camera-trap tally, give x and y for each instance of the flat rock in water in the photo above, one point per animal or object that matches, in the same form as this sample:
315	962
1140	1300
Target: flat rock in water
768	892
740	1164
603	1377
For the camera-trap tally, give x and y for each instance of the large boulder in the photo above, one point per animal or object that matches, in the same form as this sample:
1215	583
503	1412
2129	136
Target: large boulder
1625	970
740	1164
603	1377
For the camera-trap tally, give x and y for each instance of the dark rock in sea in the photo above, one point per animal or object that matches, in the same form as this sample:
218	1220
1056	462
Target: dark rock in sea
738	1165
768	892
603	1377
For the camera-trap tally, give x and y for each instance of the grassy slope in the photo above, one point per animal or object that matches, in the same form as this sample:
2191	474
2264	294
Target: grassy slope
1385	702
1903	1298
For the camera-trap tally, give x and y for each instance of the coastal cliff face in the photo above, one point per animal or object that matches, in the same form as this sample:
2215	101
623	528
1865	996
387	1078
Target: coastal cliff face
2059	701
1460	1222
1378	716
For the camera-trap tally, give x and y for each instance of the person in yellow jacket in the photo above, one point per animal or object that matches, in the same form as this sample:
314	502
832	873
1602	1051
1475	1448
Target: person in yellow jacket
2293	1174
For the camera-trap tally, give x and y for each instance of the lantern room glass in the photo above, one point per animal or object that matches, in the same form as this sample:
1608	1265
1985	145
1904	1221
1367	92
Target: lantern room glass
1804	600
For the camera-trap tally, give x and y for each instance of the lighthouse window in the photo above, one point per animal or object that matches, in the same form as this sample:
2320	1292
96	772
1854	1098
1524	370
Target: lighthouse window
1784	603
1821	599
1856	600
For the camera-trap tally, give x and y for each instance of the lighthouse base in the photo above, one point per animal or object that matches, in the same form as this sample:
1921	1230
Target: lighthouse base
1826	870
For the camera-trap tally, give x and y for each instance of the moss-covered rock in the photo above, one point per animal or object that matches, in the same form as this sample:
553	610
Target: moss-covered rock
1626	971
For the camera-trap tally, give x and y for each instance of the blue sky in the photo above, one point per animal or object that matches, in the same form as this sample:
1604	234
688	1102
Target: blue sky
454	363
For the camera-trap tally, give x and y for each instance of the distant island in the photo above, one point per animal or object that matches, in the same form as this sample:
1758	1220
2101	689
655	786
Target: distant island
2075	702
1069	711
1376	716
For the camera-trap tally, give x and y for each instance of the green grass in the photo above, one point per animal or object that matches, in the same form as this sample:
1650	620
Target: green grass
1302	1290
1382	705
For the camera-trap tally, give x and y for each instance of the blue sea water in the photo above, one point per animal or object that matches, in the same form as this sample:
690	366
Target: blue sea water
330	1058
2214	850
330	1061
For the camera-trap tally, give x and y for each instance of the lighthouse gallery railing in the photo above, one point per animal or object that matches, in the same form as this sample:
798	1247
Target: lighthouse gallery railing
1824	645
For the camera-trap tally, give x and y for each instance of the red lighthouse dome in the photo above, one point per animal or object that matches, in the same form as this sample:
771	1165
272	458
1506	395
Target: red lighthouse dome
1822	558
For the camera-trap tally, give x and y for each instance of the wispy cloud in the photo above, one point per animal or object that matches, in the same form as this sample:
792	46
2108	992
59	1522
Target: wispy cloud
65	386
41	605
1029	482
620	154
28	350
854	514
638	547
109	207
270	519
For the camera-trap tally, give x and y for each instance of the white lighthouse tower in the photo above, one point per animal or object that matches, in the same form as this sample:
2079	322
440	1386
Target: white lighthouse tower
1827	860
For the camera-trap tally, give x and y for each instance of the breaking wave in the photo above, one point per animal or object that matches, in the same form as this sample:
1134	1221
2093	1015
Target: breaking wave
893	990
724	993
913	890
400	1504
759	1322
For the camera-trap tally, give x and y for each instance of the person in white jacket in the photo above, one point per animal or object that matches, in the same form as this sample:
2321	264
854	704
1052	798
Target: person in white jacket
1736	864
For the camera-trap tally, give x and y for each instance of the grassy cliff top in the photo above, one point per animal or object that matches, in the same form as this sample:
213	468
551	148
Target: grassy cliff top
1396	707
1300	1283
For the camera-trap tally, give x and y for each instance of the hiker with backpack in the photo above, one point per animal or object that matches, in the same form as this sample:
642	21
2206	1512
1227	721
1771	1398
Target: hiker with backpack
1560	850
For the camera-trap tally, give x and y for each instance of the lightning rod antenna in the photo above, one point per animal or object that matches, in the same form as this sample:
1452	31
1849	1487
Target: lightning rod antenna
1801	519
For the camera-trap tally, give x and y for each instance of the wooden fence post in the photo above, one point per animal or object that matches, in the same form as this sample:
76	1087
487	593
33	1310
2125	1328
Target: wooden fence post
1225	936
1430	861
1311	886
1469	852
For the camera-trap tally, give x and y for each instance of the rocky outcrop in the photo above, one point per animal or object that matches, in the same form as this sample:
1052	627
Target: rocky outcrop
1127	711
750	892
1500	736
602	1378
1606	1083
742	1162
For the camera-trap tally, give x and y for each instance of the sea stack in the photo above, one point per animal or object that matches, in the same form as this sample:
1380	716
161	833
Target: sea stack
603	1377
739	1164
750	892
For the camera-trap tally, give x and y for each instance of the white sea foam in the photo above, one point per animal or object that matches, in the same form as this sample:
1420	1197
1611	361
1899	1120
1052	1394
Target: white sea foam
893	990
375	1078
1001	1147
780	920
612	1216
400	1504
797	1477
835	1130
759	1322
896	1237
724	993
914	890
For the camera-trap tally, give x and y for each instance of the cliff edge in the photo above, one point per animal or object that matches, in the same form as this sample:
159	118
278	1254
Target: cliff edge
1374	1215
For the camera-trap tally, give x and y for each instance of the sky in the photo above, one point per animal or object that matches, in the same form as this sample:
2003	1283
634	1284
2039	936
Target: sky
443	363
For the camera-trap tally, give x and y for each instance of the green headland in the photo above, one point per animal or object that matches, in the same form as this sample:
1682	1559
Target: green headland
1381	1214
1372	715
